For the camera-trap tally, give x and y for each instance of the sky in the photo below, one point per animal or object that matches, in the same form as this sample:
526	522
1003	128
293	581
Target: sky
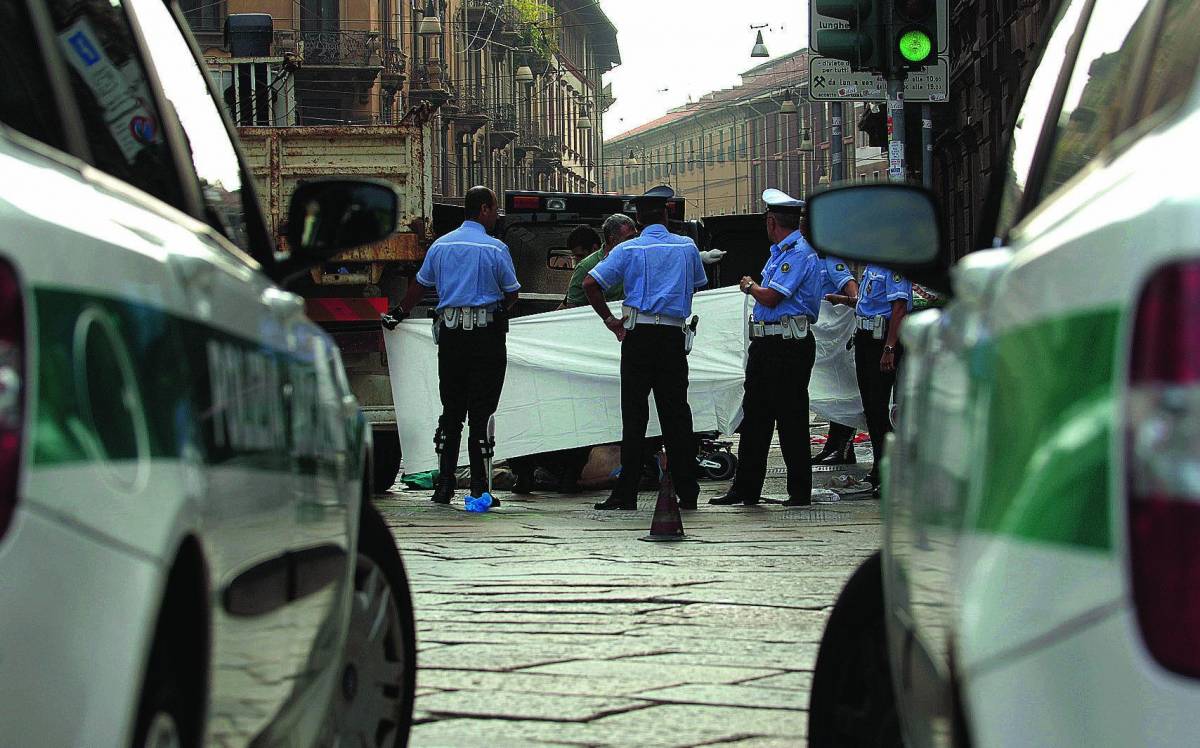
690	47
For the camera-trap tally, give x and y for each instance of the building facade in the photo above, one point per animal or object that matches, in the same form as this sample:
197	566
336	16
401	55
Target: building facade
994	46
515	87
722	151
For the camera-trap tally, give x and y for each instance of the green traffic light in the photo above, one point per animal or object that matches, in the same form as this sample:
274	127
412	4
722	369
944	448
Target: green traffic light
915	45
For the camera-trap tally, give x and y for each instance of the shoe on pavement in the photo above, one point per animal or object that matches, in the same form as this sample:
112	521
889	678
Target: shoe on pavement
729	498
793	501
614	502
443	493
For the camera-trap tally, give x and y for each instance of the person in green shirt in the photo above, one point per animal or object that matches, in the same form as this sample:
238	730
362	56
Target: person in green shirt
616	228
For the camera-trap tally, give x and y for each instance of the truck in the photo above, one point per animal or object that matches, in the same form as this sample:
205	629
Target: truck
347	294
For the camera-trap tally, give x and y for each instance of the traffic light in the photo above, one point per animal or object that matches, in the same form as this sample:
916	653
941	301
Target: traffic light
864	44
914	34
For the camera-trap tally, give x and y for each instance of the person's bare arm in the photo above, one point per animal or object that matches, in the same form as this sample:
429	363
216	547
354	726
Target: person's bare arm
768	297
888	361
595	295
510	298
396	314
848	295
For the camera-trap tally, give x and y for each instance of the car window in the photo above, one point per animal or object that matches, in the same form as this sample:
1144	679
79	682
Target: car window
1035	110
213	154
24	103
120	120
1094	110
1174	62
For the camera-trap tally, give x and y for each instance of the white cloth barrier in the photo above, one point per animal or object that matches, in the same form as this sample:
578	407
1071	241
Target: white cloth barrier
563	390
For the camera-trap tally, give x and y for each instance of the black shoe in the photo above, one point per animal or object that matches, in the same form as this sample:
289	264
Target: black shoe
616	503
729	498
443	493
806	501
495	500
825	454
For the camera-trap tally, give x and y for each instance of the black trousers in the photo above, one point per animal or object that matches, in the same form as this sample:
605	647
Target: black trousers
875	388
839	436
471	366
776	395
652	360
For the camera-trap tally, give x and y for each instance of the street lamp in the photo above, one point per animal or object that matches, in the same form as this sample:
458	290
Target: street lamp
631	159
788	107
584	122
760	49
524	75
430	24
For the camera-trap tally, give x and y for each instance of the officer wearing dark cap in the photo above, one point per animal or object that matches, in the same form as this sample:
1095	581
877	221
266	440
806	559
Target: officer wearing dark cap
780	361
660	272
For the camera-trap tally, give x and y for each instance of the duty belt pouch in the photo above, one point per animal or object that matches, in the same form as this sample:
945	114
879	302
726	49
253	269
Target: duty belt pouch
451	318
630	320
786	332
437	330
468	319
878	328
793	329
689	336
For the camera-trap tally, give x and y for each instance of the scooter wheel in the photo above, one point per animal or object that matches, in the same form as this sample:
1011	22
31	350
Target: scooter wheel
727	466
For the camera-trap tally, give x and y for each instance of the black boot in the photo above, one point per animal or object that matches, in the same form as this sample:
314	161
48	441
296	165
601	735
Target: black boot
445	442
443	493
616	502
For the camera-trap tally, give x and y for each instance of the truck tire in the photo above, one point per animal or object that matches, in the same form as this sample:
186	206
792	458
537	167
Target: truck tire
852	703
385	460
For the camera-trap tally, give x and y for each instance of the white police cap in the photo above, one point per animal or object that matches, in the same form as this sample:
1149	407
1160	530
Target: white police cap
779	201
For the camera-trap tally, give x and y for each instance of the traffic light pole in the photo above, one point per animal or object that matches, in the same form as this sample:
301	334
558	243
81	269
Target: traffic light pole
895	122
836	143
927	146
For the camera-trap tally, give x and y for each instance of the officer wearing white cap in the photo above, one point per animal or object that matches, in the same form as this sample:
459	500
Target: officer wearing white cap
780	362
476	282
885	298
660	271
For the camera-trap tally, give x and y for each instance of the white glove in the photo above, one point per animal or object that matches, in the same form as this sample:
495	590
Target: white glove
710	256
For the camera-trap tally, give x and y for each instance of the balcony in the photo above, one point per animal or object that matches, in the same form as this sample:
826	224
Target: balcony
428	84
504	126
548	158
394	62
528	141
342	48
480	12
467	110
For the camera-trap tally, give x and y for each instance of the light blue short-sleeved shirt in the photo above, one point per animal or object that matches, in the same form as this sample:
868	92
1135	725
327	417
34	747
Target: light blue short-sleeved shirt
795	271
879	288
660	271
469	268
837	274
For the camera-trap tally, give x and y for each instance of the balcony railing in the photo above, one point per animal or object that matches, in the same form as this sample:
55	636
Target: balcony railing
504	118
352	48
393	57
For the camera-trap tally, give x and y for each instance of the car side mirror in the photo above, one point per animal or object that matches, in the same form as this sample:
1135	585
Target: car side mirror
561	259
894	225
328	216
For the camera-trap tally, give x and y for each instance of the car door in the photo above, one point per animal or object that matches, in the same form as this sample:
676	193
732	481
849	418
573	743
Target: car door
251	353
933	464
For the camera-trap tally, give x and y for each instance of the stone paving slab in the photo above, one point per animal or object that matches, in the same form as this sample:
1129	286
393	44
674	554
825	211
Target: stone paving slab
548	623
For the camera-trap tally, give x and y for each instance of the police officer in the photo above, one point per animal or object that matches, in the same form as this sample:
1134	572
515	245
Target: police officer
660	272
885	298
840	288
476	283
780	362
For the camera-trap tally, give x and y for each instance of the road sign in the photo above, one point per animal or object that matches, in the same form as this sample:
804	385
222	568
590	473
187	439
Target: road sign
832	80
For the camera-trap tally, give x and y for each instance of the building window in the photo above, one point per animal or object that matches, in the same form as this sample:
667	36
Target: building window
204	15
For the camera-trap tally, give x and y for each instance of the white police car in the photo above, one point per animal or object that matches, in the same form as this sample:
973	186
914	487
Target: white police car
186	555
1037	584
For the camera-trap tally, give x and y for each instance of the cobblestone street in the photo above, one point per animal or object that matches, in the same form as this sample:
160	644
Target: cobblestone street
547	623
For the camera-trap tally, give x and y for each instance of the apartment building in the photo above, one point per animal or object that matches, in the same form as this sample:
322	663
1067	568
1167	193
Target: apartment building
514	87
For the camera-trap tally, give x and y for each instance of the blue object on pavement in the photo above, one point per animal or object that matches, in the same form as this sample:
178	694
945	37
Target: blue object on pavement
478	503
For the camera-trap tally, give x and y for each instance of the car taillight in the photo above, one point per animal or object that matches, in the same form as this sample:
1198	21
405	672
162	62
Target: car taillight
526	202
1163	458
12	389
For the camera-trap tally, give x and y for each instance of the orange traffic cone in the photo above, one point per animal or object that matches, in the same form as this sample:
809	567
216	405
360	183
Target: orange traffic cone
667	523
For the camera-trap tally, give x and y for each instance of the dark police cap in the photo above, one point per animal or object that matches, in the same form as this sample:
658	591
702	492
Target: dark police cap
780	202
655	197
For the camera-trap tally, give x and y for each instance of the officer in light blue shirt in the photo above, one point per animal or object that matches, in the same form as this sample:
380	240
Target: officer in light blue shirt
476	284
885	298
660	271
840	288
781	357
